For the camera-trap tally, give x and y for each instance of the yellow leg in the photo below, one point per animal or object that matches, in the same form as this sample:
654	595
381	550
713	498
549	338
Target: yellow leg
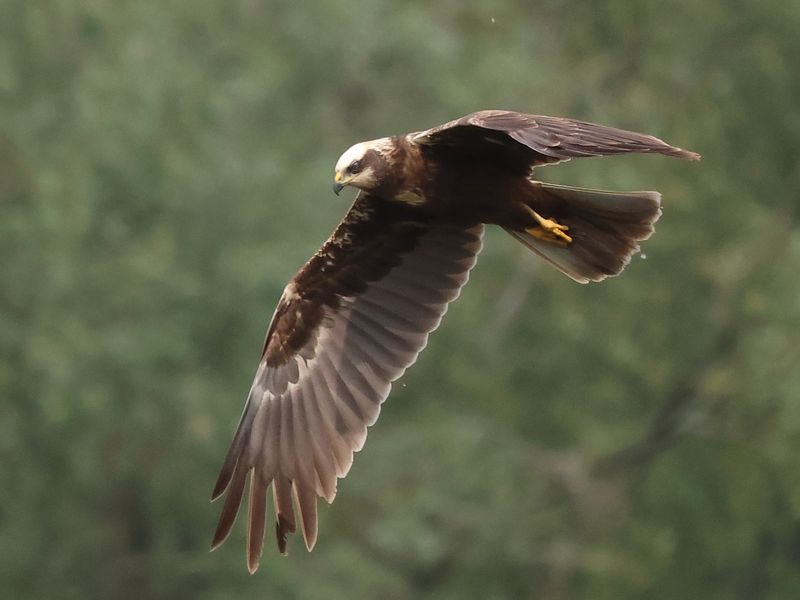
549	230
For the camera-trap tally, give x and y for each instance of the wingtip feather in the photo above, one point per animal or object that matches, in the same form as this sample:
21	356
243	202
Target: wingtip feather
693	155
284	511
230	509
681	153
256	520
307	503
282	530
219	489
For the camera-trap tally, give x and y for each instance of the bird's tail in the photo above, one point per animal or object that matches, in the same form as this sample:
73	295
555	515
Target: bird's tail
603	229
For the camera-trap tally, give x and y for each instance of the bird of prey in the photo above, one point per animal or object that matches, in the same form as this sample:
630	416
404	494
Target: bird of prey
357	314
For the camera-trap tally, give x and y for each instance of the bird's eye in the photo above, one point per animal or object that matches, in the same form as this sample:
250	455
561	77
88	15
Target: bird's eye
355	166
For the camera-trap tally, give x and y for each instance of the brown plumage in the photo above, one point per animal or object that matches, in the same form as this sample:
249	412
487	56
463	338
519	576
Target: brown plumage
358	313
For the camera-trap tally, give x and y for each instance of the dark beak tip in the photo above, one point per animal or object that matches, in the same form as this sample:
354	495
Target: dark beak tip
337	187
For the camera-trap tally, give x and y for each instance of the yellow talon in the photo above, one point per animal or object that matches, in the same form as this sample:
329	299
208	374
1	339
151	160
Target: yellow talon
550	230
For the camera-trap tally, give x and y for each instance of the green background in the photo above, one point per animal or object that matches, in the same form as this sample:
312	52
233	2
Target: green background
165	167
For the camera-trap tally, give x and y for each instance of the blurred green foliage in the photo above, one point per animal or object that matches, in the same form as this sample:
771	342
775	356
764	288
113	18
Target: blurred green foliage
165	168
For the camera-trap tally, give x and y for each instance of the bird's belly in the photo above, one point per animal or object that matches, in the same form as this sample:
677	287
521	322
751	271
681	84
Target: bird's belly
494	200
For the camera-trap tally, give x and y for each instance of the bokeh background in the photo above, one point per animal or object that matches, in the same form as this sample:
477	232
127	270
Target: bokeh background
165	167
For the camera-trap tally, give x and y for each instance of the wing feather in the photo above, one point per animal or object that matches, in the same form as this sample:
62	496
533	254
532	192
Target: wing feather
256	518
307	505
305	463
519	141
287	453
395	321
365	351
320	440
230	508
340	447
284	512
351	322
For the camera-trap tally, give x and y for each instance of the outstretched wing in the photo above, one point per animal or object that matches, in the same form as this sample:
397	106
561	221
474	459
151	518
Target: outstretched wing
519	141
348	324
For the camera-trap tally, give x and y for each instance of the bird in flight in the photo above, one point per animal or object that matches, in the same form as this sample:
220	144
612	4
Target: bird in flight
357	314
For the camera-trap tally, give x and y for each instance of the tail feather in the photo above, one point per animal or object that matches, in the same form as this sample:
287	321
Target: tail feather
605	228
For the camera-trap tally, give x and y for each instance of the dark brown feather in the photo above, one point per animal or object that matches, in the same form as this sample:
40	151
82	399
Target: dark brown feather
516	142
284	512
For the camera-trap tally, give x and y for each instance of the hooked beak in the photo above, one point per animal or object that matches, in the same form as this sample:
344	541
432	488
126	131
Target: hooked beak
338	184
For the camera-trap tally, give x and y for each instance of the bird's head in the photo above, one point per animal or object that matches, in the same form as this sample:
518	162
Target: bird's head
362	165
